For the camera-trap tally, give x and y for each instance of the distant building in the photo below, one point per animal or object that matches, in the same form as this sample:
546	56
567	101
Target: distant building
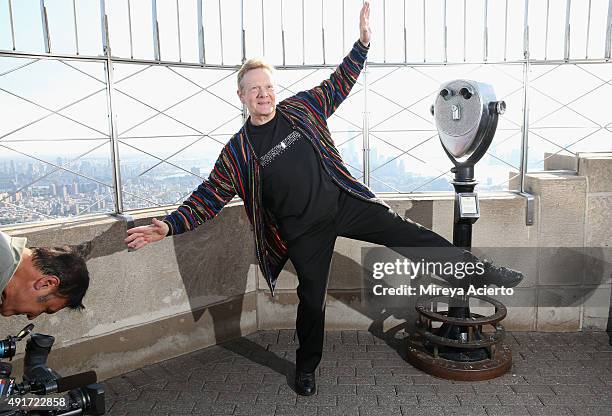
7	185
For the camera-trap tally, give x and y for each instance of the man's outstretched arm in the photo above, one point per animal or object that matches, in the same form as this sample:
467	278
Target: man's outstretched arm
327	96
203	204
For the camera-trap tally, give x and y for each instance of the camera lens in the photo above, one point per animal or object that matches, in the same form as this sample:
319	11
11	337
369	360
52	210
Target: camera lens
7	348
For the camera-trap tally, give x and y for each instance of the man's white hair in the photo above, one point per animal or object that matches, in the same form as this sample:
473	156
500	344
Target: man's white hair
253	63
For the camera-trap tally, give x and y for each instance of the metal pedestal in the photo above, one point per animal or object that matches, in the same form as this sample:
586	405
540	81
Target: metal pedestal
461	348
468	348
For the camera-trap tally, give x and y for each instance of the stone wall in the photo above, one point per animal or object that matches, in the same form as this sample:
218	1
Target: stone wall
204	287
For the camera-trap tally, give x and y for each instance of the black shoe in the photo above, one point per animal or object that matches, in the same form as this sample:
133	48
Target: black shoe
305	384
496	275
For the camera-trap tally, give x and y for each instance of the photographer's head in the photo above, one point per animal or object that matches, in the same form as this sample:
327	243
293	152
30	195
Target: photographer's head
46	281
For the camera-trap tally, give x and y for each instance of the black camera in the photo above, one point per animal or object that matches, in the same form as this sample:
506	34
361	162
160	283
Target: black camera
39	391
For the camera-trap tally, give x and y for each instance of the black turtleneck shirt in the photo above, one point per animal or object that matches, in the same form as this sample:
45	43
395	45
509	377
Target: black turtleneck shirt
295	186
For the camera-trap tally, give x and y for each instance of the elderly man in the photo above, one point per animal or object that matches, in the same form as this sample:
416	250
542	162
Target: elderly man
39	280
299	196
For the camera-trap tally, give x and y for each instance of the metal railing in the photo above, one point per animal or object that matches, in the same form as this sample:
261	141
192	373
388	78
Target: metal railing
290	47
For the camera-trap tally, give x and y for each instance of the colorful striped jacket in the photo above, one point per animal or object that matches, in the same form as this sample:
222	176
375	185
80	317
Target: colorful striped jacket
237	170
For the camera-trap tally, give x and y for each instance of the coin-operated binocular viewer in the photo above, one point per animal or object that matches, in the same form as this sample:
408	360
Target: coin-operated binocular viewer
467	346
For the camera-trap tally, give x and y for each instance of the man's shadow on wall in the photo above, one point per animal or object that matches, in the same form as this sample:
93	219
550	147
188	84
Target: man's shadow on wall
215	268
212	265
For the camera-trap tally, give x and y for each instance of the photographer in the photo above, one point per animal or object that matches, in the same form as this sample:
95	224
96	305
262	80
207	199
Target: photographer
40	279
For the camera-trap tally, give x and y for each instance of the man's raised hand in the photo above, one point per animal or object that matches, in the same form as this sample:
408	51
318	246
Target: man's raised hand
141	236
364	24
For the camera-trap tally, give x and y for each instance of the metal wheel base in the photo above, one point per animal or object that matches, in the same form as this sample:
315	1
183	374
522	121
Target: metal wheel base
487	369
459	349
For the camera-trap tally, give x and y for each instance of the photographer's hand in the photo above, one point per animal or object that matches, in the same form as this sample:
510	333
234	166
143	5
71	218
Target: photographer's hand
141	236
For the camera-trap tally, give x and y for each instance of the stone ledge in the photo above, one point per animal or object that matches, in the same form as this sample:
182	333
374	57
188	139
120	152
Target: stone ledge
597	167
557	161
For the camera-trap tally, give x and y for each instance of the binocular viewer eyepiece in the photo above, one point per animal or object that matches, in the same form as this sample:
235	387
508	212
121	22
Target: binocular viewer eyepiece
466	114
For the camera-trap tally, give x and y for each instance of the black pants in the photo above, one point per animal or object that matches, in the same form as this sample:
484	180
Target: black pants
312	251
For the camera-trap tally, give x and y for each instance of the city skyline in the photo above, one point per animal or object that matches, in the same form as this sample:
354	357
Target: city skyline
57	193
166	111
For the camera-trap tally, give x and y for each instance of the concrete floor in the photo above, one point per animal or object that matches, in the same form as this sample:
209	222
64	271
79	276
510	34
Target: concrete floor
552	374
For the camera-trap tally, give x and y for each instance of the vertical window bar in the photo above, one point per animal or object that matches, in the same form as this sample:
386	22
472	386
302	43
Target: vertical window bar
464	28
76	32
424	33
220	32
547	28
45	26
263	32
104	27
526	31
445	30
525	125
242	33
566	49
245	114
384	29
343	27
10	5
506	33
156	52
323	31
608	31
114	143
586	48
201	45
178	30
485	32
282	31
303	34
405	36
129	7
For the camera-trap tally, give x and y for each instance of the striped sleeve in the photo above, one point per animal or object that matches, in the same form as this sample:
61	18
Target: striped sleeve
205	202
325	98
